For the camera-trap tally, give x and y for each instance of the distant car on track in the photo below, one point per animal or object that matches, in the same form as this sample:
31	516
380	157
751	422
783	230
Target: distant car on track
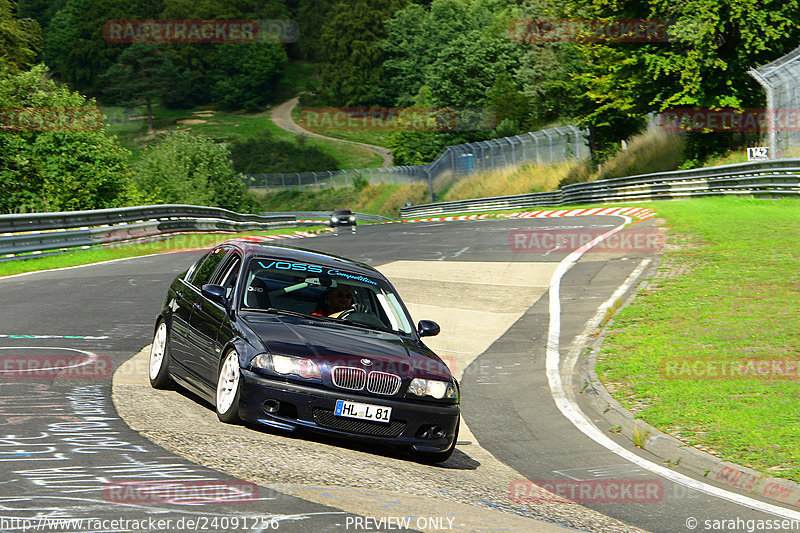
342	217
260	332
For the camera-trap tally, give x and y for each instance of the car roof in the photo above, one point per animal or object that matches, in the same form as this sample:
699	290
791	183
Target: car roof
252	248
342	211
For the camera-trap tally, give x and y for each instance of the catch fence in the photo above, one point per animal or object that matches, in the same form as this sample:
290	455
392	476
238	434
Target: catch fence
546	146
781	82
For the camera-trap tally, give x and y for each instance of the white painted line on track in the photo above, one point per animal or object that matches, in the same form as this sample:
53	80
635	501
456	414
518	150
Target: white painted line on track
92	358
574	414
572	357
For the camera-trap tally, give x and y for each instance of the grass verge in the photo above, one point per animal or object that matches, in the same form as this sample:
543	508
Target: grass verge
107	253
130	126
727	294
382	199
313	118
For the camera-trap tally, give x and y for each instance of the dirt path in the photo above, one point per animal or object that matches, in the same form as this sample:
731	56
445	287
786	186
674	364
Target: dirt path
282	117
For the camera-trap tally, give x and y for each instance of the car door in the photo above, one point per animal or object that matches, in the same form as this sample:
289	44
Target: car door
194	301
181	307
208	319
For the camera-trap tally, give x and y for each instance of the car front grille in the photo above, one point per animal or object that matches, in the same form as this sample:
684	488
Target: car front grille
383	383
326	418
349	378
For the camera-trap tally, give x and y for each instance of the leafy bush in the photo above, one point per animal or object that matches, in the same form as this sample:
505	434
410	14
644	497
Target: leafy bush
49	169
360	183
246	74
263	154
192	169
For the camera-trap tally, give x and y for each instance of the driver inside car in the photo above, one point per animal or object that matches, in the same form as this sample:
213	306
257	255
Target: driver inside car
336	300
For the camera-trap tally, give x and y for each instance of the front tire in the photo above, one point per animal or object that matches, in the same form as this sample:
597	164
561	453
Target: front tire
159	358
229	387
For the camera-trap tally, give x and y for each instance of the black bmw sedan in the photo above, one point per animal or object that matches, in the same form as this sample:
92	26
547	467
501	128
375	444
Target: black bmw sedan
299	340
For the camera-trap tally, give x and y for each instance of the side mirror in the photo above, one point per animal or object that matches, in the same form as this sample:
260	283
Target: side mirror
216	293
428	328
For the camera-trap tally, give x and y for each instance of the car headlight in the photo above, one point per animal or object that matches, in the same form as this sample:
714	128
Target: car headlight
352	219
434	388
286	365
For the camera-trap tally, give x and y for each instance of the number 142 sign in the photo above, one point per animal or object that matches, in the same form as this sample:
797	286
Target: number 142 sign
758	153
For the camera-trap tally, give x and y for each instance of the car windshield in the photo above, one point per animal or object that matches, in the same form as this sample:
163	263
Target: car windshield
316	290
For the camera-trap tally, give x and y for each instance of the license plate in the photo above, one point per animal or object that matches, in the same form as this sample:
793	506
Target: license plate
363	411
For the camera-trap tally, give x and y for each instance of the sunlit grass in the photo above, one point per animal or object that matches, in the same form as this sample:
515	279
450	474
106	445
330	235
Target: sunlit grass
524	179
375	137
738	300
130	126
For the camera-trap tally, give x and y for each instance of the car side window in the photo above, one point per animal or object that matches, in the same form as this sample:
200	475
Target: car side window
229	275
203	273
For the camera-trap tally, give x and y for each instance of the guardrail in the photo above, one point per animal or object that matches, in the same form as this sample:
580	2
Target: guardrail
773	179
320	215
49	232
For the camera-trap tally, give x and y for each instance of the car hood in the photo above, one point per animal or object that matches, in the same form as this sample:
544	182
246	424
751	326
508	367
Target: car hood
332	344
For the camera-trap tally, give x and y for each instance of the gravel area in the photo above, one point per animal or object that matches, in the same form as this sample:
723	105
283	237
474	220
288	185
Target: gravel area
472	486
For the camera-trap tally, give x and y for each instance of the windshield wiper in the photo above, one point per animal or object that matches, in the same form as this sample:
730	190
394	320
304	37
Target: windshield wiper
369	326
276	311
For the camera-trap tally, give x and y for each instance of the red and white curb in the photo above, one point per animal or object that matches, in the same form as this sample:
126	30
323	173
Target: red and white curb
446	219
639	212
295	235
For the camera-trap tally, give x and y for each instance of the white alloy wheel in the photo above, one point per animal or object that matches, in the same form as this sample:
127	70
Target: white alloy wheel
159	358
157	350
228	388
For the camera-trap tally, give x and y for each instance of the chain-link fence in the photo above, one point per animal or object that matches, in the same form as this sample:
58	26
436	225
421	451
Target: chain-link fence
781	81
546	146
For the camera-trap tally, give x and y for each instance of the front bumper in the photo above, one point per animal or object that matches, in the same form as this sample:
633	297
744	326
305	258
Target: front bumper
311	408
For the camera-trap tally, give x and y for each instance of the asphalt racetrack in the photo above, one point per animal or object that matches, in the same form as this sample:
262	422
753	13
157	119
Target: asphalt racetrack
124	457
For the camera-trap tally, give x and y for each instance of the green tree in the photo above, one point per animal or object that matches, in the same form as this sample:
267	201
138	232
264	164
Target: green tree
263	154
57	167
20	40
203	71
352	57
703	63
453	54
40	10
143	73
186	168
311	16
246	74
75	46
416	35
